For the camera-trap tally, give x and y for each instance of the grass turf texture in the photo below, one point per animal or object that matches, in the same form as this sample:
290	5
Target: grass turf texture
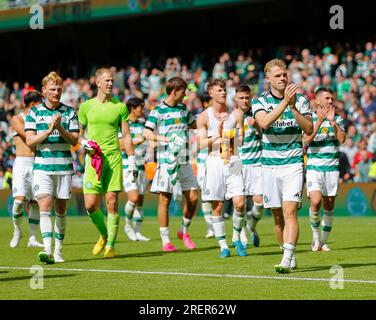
352	242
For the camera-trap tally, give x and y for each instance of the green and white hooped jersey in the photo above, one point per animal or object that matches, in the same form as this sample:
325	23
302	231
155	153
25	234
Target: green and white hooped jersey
136	129
282	141
323	151
52	156
167	120
251	151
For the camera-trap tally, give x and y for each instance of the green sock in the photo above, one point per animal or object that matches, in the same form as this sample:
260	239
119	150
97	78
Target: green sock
113	226
98	220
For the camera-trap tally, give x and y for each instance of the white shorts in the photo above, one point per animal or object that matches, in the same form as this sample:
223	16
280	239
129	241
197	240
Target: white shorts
162	180
200	175
58	186
222	181
22	182
282	184
324	181
252	176
139	185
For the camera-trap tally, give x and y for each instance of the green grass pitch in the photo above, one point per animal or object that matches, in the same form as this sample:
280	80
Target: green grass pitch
187	275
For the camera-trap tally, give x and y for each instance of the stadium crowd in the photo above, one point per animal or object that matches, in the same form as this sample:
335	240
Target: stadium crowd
349	73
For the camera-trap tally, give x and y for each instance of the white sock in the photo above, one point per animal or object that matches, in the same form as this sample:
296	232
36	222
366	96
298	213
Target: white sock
248	217
60	225
257	213
34	220
138	218
220	231
129	210
17	216
327	224
185	223
206	208
238	219
46	230
165	235
288	252
314	218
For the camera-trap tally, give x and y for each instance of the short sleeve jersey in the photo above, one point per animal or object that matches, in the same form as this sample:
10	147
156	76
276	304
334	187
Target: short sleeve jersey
136	129
167	120
250	152
52	156
323	151
282	141
103	121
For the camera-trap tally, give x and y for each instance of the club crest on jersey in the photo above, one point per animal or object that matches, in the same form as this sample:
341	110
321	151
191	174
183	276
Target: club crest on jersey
177	121
266	199
36	187
88	185
324	130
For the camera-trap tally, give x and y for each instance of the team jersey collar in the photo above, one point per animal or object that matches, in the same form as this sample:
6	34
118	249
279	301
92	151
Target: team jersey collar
44	105
169	106
248	113
270	92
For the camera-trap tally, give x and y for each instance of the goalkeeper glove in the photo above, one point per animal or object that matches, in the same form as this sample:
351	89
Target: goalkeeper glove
85	144
132	173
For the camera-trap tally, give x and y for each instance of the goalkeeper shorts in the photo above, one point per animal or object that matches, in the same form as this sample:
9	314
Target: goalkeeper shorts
111	176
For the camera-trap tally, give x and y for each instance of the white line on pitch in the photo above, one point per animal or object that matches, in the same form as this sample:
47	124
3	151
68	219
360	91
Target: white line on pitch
192	274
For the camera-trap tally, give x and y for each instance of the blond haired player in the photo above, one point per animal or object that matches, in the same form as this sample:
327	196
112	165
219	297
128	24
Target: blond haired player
52	127
283	114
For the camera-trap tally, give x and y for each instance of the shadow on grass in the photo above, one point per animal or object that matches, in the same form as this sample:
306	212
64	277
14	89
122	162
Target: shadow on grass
275	245
343	265
362	247
78	243
29	277
117	241
149	254
122	241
